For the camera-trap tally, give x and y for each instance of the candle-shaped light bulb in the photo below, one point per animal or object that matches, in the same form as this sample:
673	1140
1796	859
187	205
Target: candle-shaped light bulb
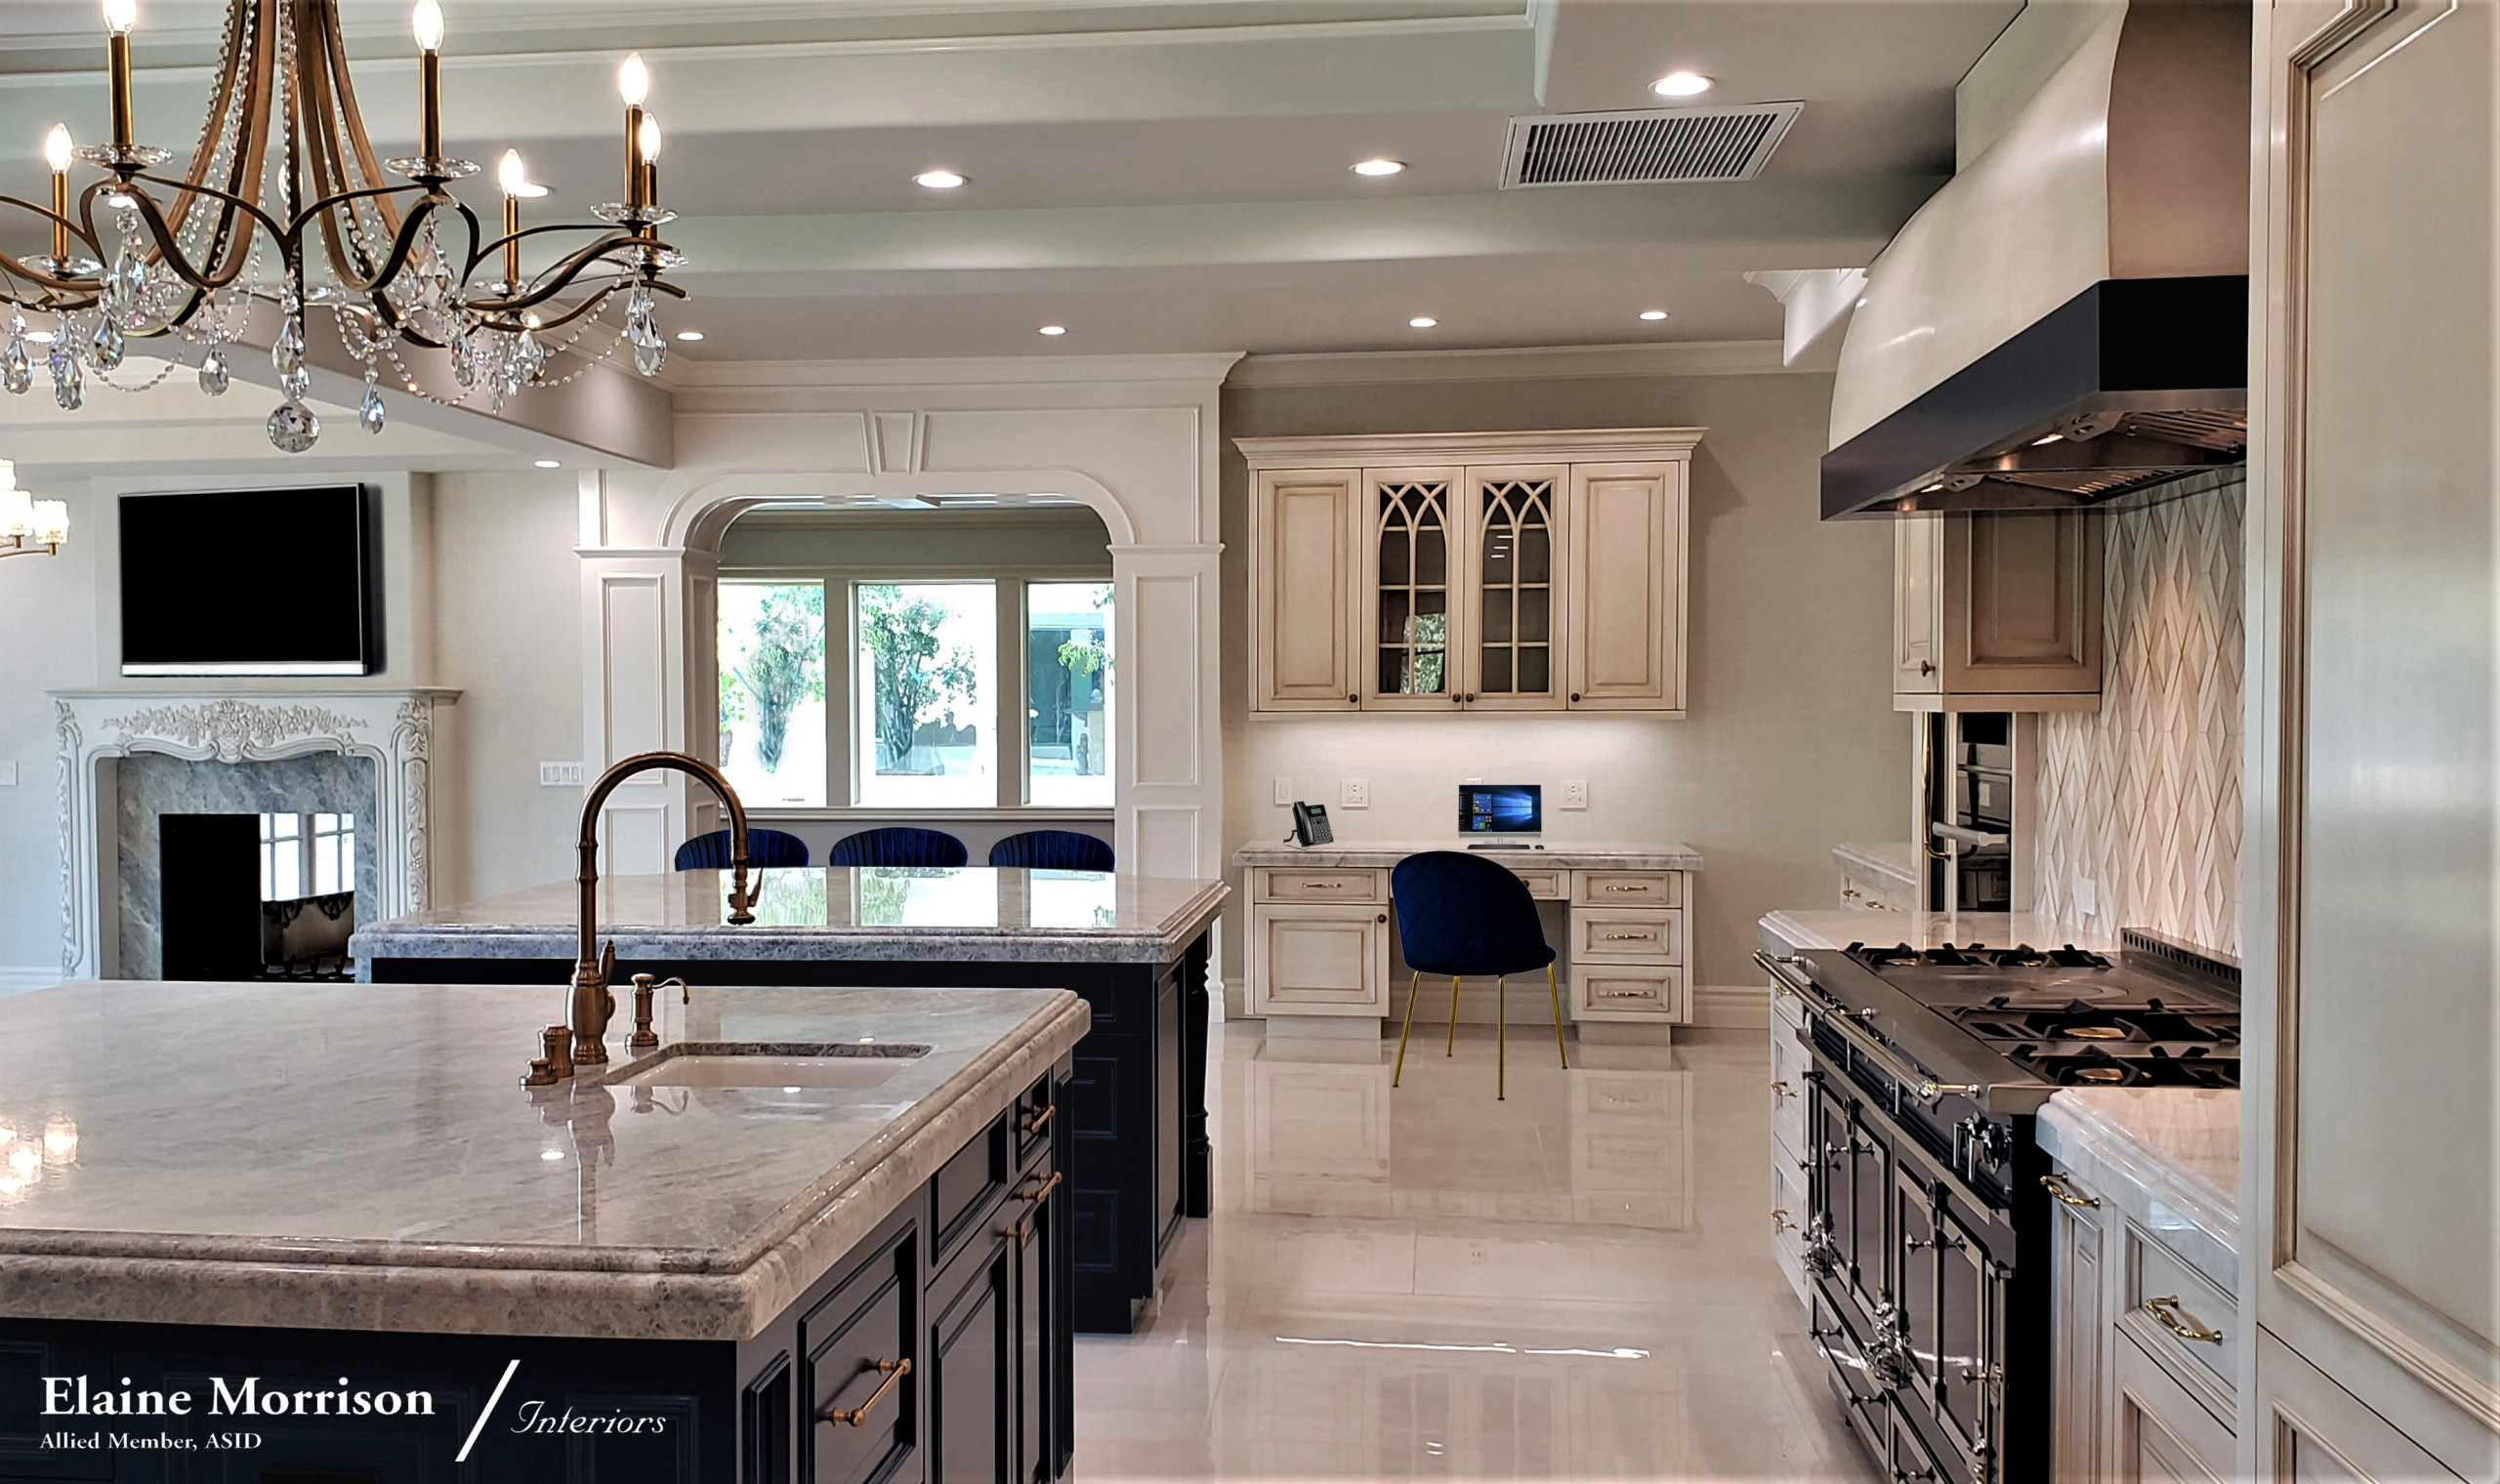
651	140
513	179
58	148
634	81
56	152
429	26
510	175
120	15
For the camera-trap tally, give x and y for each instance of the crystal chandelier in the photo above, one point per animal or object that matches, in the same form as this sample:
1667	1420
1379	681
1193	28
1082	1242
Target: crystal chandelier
285	203
28	526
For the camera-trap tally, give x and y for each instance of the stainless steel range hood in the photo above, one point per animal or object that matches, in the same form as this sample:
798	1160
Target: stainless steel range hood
2066	323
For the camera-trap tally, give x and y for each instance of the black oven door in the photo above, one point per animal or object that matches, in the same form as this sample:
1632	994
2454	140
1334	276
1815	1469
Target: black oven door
1849	1188
1954	1302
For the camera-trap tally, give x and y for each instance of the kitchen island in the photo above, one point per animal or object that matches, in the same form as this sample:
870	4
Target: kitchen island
1136	947
327	1234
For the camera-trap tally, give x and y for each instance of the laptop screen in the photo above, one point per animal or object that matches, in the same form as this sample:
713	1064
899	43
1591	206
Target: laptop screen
1501	809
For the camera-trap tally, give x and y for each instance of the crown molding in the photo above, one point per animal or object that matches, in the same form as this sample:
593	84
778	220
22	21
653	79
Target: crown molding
1362	449
968	371
1692	358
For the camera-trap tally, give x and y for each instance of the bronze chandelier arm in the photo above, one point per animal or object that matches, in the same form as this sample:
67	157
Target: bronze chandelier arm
80	294
562	274
77	231
169	250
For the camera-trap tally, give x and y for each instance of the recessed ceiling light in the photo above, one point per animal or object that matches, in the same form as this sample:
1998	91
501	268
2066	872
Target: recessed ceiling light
548	464
690	336
1378	167
1653	314
938	179
1422	322
1681	85
551	1156
1054	329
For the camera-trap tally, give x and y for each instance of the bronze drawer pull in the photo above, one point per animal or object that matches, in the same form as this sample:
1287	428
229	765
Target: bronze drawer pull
1617	887
1020	1231
2166	1309
1047	1186
1629	938
893	1371
2057	1186
1782	1089
1627	994
1780	1221
1323	886
1033	1122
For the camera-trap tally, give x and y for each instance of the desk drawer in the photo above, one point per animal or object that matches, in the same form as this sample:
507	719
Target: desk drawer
1629	889
1606	992
2192	1307
1613	936
1279	885
1544	883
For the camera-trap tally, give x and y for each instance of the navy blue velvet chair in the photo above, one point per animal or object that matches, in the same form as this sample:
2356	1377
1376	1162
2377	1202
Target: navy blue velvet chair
1052	850
769	848
1460	914
899	846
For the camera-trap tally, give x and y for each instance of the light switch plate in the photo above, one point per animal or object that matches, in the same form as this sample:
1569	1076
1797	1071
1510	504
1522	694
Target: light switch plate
1284	792
1354	793
1575	793
2087	895
559	775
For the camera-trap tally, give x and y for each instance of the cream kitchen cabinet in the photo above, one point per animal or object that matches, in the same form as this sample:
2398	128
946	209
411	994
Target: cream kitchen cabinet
1997	611
1453	574
1318	959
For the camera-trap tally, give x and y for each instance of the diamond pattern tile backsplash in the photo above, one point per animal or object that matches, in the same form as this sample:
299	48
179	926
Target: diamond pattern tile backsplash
2141	797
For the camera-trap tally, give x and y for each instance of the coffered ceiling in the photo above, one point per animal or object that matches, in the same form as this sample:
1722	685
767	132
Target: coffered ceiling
1155	175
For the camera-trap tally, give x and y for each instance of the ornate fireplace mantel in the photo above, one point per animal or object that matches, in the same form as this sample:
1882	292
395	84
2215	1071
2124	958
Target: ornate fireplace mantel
392	728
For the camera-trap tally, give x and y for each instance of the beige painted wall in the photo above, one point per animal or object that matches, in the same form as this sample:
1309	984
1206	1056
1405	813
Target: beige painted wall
1791	746
508	633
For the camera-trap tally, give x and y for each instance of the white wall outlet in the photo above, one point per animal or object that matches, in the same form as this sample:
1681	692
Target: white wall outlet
9	774
1575	793
1284	792
559	775
1354	793
2087	895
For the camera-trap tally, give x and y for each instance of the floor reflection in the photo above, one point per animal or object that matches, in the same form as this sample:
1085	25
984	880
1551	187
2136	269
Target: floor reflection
1573	1283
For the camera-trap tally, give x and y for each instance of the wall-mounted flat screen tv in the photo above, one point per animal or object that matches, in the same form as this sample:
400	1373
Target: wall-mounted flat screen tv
252	582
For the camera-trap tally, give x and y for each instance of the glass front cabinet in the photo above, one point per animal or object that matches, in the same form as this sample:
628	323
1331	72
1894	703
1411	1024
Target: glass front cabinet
1470	573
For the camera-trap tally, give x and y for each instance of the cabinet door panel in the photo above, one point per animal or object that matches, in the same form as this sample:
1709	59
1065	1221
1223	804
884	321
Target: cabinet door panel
1918	547
971	1413
2162	1435
1515	595
1303	645
1414	625
2022	603
1311	959
1626	524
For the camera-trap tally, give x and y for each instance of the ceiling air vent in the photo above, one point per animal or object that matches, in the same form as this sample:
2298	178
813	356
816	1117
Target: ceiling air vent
1650	147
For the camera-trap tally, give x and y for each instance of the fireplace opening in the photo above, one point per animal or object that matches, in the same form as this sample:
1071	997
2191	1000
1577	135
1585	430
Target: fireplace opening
257	896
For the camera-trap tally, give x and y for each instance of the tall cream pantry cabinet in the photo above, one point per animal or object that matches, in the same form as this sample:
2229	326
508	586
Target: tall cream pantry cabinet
1466	573
2370	1199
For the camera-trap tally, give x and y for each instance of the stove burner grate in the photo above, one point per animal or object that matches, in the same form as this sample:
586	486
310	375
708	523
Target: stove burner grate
1976	956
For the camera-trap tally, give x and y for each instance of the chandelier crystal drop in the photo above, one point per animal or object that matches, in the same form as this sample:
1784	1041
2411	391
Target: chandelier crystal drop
283	201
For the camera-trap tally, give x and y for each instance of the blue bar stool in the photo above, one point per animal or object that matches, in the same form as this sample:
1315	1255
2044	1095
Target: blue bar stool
898	846
769	848
1460	914
1052	850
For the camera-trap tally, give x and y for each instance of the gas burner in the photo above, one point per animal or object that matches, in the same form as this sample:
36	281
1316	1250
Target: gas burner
2150	1023
2094	1067
1976	956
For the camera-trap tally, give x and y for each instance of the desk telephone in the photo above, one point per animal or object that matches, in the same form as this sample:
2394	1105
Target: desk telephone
1311	825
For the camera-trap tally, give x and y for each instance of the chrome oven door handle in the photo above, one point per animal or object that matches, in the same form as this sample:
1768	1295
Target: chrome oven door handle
1897	1066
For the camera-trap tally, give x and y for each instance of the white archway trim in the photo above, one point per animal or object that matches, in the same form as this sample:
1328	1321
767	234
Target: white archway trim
693	520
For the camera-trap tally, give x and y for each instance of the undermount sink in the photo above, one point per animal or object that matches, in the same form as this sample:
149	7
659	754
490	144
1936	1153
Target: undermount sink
839	1065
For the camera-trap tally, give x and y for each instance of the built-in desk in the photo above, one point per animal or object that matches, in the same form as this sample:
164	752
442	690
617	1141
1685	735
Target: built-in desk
1323	953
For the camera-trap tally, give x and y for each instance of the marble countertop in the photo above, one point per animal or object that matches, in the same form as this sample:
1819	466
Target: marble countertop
2167	1157
322	1156
1786	932
1559	855
1893	858
960	914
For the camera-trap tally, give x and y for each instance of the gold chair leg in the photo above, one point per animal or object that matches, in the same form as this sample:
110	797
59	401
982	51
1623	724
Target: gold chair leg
1501	1038
1554	992
1451	1050
1412	985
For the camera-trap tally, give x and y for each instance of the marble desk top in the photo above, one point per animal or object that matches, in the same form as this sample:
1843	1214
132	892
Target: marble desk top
1894	859
963	914
322	1156
1557	854
1786	931
2168	1157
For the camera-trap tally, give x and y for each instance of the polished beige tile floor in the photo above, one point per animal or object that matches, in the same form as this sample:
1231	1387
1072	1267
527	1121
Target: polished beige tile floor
1572	1284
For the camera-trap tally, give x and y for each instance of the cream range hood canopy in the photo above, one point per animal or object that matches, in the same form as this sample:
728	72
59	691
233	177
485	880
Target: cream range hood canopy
2066	323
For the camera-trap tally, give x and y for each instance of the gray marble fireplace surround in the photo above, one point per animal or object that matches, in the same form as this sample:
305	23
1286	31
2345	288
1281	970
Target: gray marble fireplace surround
130	757
152	785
